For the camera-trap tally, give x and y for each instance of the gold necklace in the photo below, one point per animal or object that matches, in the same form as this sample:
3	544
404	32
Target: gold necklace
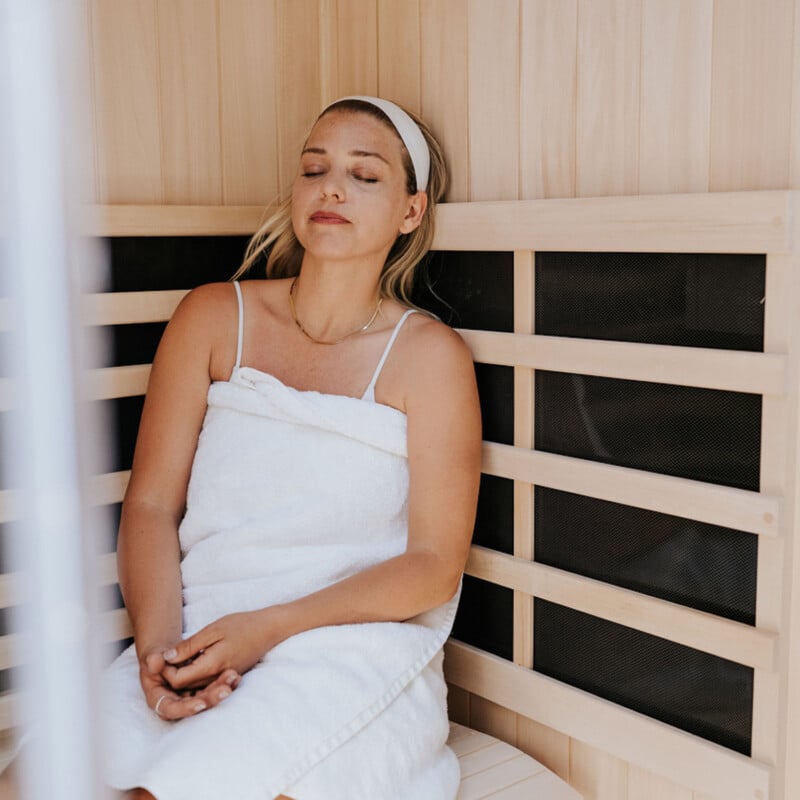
299	324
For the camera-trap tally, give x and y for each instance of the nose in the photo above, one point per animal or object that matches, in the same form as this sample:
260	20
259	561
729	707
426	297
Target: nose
332	187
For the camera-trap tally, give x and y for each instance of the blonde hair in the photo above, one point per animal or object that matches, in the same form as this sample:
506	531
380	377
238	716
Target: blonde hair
285	253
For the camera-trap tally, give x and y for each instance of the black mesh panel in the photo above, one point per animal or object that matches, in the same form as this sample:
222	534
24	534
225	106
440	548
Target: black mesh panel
485	617
703	434
692	690
699	565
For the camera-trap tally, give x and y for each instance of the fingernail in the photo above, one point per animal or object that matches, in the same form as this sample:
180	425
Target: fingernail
170	654
230	679
223	693
199	706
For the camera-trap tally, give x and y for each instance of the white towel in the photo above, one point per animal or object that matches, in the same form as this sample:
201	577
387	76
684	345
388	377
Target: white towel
292	491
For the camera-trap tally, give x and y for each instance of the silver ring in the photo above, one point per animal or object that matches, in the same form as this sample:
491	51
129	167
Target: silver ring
158	704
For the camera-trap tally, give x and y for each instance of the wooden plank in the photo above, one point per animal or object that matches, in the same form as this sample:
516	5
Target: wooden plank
607	113
108	488
173	220
357	42
735	641
444	86
548	88
488	717
493	99
125	308
597	774
470	742
126	101
458	705
619	732
742	222
720	505
111	382
728	370
547	746
190	103
751	87
249	114
298	66
500	775
543	785
399	52
481	759
675	96
644	785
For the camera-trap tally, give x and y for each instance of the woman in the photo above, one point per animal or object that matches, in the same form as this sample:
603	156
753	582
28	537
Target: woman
301	502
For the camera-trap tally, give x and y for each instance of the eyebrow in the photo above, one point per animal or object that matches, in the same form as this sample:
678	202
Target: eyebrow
358	153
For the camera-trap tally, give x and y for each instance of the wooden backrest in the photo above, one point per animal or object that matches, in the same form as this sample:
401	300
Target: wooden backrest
751	222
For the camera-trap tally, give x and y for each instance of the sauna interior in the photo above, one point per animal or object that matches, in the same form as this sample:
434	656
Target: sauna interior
631	610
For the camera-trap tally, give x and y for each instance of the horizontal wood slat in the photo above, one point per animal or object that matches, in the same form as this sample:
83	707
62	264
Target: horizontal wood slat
679	756
729	370
736	222
711	634
103	490
126	308
732	222
111	382
705	502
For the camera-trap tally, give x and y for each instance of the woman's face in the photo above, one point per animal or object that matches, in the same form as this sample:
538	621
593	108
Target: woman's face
349	199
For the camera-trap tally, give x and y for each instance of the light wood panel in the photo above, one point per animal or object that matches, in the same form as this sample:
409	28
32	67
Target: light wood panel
399	52
494	99
188	51
548	87
675	96
751	85
357	46
607	141
126	101
248	96
545	745
444	89
597	775
299	98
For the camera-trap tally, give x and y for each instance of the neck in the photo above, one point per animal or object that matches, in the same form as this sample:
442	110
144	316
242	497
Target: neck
332	303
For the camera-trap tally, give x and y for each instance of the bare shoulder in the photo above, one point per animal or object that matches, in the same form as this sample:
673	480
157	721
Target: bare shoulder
436	362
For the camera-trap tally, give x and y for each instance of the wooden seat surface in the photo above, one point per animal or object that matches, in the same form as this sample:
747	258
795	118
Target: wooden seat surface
493	769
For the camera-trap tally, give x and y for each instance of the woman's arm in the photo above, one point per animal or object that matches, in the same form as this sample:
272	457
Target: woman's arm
444	451
148	550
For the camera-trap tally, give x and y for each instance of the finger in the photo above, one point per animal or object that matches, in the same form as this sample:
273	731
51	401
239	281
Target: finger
154	663
199	673
218	691
189	648
171	707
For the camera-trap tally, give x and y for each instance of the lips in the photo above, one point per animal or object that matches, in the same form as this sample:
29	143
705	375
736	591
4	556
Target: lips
328	218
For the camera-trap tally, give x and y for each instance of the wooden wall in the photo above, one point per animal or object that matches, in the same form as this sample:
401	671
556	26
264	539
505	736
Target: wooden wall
207	101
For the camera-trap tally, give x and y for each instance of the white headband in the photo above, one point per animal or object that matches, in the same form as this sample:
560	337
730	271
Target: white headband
409	132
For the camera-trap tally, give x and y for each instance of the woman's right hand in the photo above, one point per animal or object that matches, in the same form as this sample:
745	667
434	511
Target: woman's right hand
174	705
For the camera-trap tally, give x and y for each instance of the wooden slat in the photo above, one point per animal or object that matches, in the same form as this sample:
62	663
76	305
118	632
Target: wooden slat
607	105
739	222
751	90
543	786
728	370
126	308
112	382
493	99
625	734
188	59
172	220
719	505
445	85
735	641
249	114
357	43
126	101
548	84
501	775
399	52
108	488
676	96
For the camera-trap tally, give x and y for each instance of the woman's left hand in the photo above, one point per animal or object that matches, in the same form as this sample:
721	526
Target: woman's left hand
236	641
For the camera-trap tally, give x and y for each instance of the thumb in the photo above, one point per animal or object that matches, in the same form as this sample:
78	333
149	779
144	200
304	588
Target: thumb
154	663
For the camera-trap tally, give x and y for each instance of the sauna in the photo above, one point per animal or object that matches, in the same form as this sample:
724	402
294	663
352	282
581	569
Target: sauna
620	250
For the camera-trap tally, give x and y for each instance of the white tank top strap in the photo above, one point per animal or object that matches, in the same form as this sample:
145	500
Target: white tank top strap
240	336
369	392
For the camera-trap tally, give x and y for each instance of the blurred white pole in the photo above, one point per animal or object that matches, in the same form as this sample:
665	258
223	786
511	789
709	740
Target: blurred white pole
43	460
